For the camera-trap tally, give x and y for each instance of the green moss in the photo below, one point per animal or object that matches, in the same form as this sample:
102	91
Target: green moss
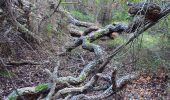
12	98
49	27
41	87
97	34
82	77
87	41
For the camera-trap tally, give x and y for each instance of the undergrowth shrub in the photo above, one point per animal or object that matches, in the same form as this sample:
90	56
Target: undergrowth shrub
79	15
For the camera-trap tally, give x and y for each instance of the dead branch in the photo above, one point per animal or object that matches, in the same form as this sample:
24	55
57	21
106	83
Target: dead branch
108	92
103	95
83	75
52	90
28	91
74	31
22	62
75	89
74	21
105	77
125	80
86	40
115	87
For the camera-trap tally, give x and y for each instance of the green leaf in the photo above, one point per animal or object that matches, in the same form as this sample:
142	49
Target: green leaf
41	87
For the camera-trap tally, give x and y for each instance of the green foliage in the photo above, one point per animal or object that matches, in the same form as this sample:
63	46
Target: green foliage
12	98
41	87
114	42
165	42
150	60
149	41
97	2
81	16
6	73
147	48
150	51
135	1
154	42
82	77
121	13
49	29
120	16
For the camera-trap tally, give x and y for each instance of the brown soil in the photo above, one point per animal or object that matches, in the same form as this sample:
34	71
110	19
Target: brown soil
147	87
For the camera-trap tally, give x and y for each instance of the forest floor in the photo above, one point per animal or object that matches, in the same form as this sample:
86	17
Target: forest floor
149	86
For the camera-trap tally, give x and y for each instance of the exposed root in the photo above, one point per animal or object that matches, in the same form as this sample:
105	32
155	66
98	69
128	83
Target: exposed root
75	89
24	92
105	94
83	75
108	92
105	77
87	40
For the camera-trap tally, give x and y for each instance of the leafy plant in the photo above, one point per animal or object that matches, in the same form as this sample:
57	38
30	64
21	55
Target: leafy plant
81	16
149	41
117	41
49	29
41	87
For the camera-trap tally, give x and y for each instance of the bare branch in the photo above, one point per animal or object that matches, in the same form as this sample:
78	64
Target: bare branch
54	74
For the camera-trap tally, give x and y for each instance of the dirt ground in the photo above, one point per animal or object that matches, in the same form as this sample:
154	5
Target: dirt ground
149	86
